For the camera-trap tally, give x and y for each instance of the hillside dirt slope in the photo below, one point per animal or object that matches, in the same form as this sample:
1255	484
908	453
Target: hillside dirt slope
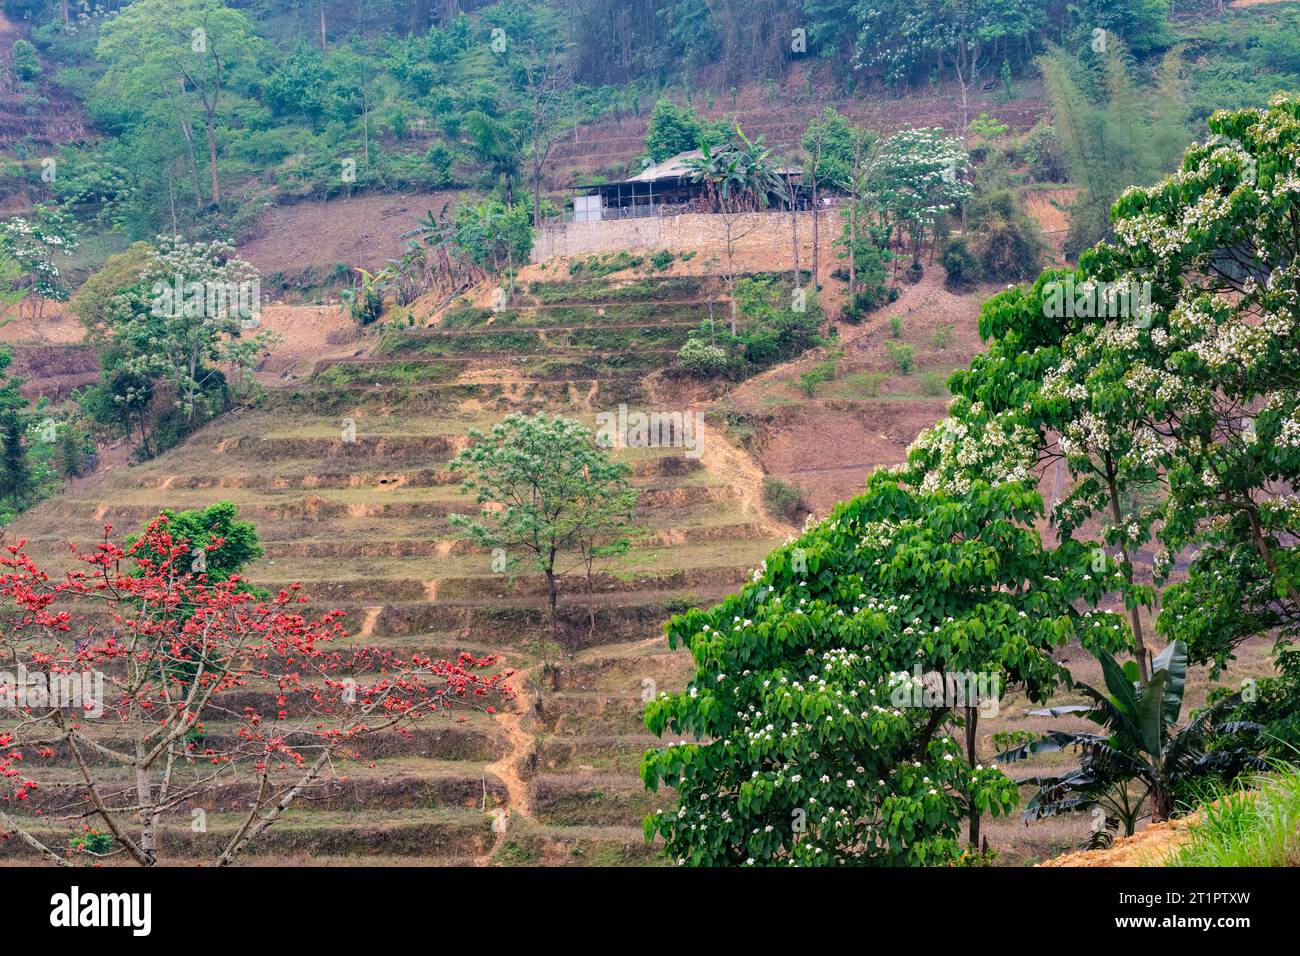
361	520
1150	847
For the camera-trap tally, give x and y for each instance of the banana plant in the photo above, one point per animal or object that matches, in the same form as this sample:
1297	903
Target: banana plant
1143	759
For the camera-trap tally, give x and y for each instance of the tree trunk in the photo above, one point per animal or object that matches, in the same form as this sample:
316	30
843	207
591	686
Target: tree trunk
1162	802
1135	619
148	815
972	723
794	240
365	125
323	45
853	242
553	593
212	157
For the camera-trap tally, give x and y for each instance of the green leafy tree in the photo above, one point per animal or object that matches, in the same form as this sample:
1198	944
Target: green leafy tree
25	64
549	495
11	288
120	401
226	544
175	58
1142	24
16	483
672	129
492	236
904	40
121	271
829	147
810	744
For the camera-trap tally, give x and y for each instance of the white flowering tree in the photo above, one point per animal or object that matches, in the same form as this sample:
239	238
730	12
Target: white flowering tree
33	247
1048	400
1218	375
1179	422
193	310
915	179
810	743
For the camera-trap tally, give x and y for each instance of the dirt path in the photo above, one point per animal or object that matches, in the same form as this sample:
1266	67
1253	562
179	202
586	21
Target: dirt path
519	744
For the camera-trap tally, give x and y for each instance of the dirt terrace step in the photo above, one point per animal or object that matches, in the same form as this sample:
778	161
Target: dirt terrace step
531	844
499	325
495	396
500	585
314	478
356	788
441	832
361	447
319	507
592	800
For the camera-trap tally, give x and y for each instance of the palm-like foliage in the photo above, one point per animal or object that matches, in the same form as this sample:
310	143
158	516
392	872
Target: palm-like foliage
1143	755
494	144
736	176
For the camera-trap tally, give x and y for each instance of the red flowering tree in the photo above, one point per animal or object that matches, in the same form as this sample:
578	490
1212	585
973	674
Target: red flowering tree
134	687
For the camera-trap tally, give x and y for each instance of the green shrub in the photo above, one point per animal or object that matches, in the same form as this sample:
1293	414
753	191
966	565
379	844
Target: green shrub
871	273
933	383
1259	826
784	500
702	359
93	841
439	160
823	371
942	336
26	65
594	267
661	260
1005	241
895	325
962	265
771	330
1041	152
904	356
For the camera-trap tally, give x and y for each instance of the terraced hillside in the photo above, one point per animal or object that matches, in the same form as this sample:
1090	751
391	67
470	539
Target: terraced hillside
346	478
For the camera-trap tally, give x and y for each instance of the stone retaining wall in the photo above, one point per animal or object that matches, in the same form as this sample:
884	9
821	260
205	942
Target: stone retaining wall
758	233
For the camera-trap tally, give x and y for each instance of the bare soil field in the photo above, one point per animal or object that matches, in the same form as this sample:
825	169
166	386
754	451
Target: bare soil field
361	230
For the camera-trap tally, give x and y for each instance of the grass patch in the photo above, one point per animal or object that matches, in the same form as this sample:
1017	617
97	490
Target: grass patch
392	373
784	499
649	290
1258	825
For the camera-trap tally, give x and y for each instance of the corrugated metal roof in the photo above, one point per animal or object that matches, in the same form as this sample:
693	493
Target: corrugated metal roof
672	166
676	167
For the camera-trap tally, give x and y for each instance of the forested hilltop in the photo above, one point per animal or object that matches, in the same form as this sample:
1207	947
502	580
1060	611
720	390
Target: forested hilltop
433	96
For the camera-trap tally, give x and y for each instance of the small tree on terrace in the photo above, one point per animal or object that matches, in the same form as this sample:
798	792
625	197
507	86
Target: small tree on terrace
829	144
547	492
30	248
142	752
493	237
183	339
916	179
816	752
